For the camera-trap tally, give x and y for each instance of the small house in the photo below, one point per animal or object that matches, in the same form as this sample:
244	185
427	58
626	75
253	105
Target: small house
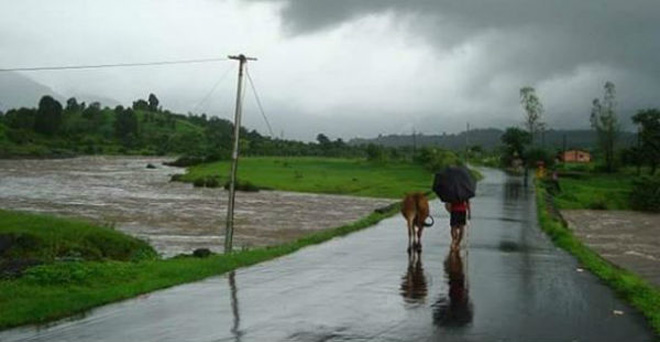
576	156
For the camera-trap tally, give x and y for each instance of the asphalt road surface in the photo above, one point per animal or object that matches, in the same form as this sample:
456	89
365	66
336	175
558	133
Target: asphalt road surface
508	283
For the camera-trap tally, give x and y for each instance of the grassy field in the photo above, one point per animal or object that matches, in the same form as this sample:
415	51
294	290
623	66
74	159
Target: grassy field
595	191
56	290
322	175
629	286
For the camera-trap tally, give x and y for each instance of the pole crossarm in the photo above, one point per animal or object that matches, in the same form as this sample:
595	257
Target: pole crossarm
242	57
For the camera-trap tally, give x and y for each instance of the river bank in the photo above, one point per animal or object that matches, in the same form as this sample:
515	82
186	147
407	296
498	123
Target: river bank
174	217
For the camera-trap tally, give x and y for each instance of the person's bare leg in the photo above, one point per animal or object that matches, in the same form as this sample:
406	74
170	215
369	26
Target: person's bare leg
459	234
454	237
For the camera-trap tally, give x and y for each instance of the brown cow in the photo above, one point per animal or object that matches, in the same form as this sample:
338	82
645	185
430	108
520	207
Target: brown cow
415	209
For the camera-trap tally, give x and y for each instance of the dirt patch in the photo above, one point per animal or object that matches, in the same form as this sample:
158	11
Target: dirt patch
628	239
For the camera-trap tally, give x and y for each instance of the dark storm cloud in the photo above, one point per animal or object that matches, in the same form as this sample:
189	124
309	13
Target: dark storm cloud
547	37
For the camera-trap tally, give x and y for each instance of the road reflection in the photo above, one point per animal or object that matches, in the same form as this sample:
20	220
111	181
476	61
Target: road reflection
413	285
454	309
235	329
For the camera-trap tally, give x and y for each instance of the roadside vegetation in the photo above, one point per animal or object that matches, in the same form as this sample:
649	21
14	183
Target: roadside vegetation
58	287
638	292
614	175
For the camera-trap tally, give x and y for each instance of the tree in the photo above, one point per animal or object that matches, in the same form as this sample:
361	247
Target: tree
140	104
126	127
604	120
153	103
49	116
72	105
648	121
515	140
22	118
92	112
533	111
322	139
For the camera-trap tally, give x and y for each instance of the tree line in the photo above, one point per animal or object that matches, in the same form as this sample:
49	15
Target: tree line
522	143
146	128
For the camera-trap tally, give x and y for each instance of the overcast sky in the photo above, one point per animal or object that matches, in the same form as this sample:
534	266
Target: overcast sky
349	68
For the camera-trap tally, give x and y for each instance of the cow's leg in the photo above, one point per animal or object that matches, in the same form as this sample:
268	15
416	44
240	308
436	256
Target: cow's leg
419	238
411	234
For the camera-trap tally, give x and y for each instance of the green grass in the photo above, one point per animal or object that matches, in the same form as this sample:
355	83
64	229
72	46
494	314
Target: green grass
322	175
638	292
595	191
46	238
57	290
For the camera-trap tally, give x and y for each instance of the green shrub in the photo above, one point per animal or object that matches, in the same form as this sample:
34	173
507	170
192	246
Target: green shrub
598	204
243	186
436	159
535	155
199	182
645	195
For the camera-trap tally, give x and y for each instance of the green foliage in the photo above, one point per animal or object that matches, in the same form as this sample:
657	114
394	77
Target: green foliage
514	140
376	153
533	111
436	159
48	117
20	119
604	120
240	185
649	137
79	273
645	194
47	239
153	103
535	155
126	127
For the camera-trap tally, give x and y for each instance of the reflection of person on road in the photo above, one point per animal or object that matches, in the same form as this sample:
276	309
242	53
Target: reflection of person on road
455	309
459	213
413	284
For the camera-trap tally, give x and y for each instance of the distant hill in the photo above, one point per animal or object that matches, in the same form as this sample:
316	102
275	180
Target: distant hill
489	139
18	91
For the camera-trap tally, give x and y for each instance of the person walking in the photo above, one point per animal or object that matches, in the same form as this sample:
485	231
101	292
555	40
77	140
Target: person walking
459	213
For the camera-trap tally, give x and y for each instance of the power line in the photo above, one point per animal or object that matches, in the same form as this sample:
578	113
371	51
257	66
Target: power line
116	65
256	96
224	75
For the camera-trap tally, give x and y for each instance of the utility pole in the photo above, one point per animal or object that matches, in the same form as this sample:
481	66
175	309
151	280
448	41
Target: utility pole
229	231
414	143
467	143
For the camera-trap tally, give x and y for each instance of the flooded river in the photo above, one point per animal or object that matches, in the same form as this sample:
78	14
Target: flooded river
174	217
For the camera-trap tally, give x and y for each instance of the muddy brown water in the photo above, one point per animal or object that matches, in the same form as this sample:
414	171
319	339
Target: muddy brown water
174	217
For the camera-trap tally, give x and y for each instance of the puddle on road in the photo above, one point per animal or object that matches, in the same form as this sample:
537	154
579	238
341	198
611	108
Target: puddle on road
174	217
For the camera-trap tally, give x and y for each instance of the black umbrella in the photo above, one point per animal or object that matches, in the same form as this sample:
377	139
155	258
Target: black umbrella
454	184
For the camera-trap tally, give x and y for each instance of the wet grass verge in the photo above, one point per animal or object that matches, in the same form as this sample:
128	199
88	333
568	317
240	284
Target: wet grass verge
635	290
49	292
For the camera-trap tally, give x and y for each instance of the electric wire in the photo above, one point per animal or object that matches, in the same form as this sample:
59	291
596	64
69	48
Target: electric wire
261	109
208	95
116	65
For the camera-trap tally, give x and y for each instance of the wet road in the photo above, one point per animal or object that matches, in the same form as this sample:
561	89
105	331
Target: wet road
507	284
